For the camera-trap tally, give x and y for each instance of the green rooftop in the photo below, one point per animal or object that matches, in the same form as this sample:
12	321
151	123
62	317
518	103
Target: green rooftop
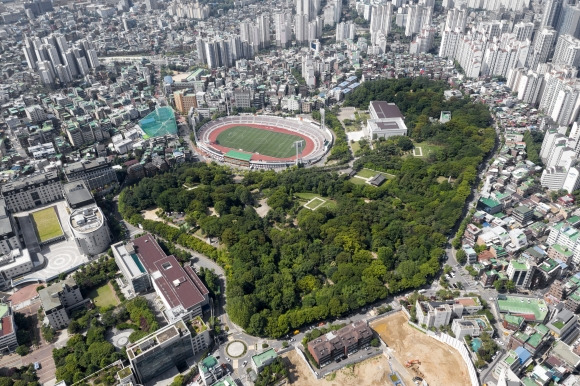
225	381
511	358
519	265
239	155
489	202
264	357
529	307
535	339
564	251
208	363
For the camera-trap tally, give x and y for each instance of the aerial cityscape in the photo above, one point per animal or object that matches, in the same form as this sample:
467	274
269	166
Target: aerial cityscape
302	192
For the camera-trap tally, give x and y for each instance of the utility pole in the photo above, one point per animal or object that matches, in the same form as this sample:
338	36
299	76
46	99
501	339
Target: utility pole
298	145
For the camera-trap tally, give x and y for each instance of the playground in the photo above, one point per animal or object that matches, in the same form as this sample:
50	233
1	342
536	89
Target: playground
423	356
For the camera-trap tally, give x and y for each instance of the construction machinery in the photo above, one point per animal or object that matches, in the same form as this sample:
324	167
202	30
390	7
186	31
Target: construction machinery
412	362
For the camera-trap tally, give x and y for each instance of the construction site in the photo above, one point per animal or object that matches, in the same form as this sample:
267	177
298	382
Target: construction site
425	360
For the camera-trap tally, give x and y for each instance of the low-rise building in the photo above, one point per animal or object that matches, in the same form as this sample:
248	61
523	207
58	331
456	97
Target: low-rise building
14	264
8	342
263	359
210	370
463	327
340	343
58	299
386	120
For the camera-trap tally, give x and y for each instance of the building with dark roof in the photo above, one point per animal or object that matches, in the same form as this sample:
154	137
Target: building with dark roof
8	237
77	195
386	121
341	343
95	173
144	265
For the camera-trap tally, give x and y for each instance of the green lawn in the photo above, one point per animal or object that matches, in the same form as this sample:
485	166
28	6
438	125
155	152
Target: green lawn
306	196
253	140
357	181
367	173
46	223
427	148
355	146
104	296
314	203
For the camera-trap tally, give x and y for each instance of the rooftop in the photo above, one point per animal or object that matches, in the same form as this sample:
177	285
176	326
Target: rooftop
386	110
260	359
86	219
159	122
529	308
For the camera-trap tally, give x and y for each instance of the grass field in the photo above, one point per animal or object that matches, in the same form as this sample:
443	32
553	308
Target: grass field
46	223
103	296
313	201
266	142
427	148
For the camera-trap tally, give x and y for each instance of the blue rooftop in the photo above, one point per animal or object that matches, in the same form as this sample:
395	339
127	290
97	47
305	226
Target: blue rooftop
523	354
168	79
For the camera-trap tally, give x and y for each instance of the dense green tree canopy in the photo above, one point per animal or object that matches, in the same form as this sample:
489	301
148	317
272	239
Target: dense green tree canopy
296	266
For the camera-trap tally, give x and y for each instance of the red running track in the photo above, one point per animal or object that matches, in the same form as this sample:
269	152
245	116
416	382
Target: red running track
260	157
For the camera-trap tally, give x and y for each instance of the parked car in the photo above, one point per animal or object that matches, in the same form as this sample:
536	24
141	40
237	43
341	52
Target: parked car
37	365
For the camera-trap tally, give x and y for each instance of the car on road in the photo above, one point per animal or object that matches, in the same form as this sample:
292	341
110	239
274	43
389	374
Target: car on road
228	359
244	364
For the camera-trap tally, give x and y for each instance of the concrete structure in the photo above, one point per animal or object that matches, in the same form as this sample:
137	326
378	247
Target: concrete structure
164	349
463	327
386	121
521	273
210	370
263	359
58	299
89	227
8	342
30	192
341	343
96	174
145	265
77	195
13	264
185	100
9	239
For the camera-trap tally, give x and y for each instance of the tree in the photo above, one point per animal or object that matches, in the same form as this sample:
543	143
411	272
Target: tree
461	256
22	350
510	286
447	269
498	285
375	342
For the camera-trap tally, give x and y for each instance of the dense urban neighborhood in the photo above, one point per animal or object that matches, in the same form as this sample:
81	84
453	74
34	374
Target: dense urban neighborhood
357	192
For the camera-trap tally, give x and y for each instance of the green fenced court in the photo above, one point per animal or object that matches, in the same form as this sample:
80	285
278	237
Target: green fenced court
47	224
262	141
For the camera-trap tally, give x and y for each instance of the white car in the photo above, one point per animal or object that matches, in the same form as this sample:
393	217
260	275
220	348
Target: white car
228	359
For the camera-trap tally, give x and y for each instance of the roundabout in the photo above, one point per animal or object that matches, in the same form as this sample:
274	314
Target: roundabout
236	349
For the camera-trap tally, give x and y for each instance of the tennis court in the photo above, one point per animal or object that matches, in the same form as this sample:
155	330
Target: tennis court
262	141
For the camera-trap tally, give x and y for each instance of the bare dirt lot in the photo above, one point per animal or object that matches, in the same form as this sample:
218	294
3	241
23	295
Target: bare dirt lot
371	372
440	364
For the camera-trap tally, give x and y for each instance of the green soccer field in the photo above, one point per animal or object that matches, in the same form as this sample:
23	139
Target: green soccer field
262	141
47	224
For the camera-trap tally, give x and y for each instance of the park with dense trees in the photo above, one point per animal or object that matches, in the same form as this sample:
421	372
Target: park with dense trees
295	266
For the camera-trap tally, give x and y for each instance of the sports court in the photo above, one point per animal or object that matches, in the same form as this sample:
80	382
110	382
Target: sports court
527	307
262	141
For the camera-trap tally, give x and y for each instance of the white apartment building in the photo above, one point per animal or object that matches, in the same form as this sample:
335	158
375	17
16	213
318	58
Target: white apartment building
463	327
